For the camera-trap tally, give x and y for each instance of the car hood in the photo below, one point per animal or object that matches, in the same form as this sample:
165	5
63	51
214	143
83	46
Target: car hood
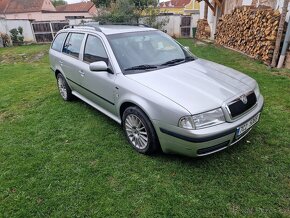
198	85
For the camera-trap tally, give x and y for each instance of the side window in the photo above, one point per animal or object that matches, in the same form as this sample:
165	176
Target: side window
94	50
58	42
73	44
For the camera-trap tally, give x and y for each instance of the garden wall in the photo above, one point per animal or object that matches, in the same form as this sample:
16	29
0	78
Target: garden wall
7	25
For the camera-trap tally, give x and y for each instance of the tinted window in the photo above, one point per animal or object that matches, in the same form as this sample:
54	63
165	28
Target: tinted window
73	44
58	42
94	50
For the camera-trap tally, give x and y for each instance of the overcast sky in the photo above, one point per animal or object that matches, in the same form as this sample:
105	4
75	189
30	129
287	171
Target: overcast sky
73	1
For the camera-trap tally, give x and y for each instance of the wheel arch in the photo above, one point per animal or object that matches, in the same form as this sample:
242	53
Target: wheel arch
56	72
124	105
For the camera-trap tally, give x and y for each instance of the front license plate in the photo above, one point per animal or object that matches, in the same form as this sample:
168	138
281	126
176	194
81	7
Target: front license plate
247	125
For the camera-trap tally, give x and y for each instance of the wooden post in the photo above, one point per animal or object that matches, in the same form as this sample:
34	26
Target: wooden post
205	10
280	33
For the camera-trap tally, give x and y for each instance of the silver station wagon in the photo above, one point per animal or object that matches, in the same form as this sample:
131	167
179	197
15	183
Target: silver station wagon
163	96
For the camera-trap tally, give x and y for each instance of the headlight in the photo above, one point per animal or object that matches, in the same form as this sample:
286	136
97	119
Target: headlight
257	91
199	121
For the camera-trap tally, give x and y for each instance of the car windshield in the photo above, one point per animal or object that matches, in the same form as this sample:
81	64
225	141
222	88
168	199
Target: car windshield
144	51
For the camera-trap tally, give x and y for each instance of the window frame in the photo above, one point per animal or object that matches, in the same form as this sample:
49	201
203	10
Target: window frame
62	45
85	44
81	47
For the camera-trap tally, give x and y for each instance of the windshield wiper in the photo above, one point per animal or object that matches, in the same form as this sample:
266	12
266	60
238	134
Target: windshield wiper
178	60
173	61
141	67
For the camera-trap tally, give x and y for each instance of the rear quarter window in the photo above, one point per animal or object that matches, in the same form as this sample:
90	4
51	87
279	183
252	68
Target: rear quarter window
58	42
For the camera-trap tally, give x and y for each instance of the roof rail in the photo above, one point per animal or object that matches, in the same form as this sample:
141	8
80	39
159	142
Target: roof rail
125	24
93	25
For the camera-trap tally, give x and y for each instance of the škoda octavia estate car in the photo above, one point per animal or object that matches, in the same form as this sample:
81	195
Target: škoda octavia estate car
160	93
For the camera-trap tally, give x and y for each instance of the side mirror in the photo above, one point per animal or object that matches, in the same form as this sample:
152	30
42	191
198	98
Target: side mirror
99	66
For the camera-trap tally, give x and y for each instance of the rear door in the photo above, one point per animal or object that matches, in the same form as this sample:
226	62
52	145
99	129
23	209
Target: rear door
100	85
71	60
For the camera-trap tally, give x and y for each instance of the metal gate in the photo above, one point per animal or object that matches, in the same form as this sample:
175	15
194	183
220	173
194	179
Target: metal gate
45	31
185	26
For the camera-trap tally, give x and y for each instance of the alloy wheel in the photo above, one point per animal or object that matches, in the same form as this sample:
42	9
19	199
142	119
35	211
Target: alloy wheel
62	87
136	131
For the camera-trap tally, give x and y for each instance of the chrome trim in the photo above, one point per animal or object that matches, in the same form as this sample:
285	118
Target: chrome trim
212	152
238	99
230	144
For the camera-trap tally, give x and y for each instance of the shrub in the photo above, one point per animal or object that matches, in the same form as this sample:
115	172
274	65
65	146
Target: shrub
17	35
6	39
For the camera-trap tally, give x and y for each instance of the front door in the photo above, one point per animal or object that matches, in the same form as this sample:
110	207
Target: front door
99	86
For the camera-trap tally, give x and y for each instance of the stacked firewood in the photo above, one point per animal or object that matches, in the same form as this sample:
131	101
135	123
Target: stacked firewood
203	29
250	30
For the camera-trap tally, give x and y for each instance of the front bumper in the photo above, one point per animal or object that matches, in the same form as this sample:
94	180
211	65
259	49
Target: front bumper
202	142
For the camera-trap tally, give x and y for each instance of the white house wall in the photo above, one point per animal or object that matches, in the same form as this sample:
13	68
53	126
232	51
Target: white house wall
7	25
173	26
39	16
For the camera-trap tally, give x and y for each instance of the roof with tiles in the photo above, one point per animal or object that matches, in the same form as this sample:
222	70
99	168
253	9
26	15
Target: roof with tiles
78	7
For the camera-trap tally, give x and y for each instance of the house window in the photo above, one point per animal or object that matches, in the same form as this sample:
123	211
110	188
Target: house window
74	17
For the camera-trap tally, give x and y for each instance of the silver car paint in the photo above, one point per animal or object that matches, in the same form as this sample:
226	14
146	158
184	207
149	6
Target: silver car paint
165	95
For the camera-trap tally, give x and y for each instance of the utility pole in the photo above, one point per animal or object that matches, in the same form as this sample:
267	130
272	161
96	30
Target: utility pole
280	33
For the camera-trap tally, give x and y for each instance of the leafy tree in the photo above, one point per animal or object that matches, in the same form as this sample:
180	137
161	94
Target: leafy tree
121	11
153	20
58	2
132	11
102	3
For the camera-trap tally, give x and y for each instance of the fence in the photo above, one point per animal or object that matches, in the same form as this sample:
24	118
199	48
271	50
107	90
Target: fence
45	31
178	26
33	31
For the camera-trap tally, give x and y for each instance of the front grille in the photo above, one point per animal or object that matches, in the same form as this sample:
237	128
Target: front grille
238	107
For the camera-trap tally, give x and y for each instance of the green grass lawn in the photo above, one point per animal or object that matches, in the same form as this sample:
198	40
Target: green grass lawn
66	159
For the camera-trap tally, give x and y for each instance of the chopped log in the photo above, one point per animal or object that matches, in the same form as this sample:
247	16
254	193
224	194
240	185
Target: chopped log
203	29
251	30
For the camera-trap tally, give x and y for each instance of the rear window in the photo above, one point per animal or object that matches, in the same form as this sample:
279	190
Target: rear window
73	44
58	42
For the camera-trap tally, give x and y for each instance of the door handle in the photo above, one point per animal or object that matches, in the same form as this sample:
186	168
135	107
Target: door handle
61	62
82	73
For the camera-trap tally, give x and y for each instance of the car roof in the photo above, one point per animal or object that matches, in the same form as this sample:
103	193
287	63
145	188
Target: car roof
110	29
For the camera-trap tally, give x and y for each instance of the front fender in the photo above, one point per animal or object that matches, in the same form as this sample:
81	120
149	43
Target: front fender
154	105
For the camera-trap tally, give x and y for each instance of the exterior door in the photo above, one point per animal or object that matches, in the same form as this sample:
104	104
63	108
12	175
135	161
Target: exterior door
185	26
99	85
70	60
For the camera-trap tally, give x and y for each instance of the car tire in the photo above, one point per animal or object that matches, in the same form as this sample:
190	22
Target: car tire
139	131
63	87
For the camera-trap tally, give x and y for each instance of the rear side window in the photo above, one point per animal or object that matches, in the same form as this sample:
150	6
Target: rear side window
58	42
73	44
94	50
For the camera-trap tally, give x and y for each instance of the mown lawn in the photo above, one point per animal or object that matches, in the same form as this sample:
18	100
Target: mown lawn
66	159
